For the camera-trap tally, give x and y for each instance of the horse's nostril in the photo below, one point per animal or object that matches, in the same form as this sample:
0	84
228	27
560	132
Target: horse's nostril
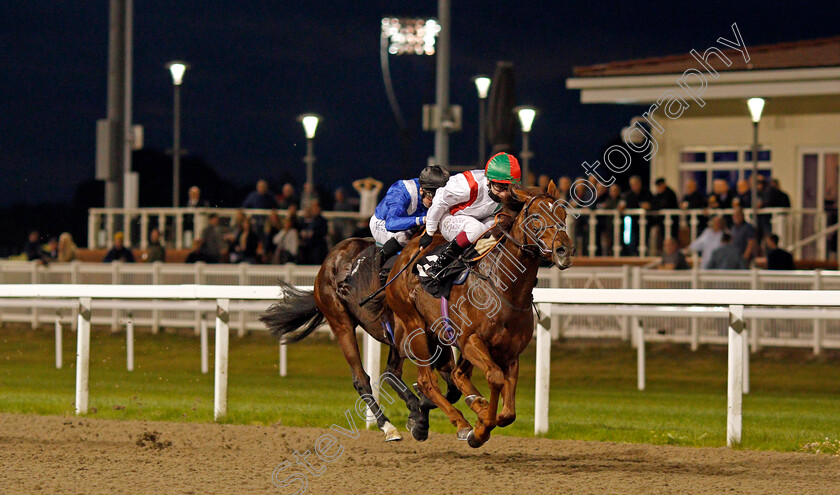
561	251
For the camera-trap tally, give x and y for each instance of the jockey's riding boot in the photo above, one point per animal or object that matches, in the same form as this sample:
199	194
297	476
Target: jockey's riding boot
449	254
386	252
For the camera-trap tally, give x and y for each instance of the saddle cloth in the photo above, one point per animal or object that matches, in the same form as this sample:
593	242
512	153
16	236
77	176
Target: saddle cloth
455	273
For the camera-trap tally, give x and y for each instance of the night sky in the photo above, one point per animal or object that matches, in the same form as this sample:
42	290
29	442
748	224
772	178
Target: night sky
257	65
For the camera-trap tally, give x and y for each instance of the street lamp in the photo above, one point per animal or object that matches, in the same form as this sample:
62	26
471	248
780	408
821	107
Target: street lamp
177	68
310	123
482	84
526	119
756	105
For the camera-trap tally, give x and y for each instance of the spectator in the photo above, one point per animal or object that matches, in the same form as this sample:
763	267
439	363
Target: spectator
287	242
67	250
341	228
313	238
269	230
778	258
744	197
33	249
368	189
764	220
52	249
664	199
708	241
119	252
672	258
244	241
726	256
260	198
288	197
610	201
212	242
155	251
721	196
693	198
292	213
564	187
743	236
197	254
636	197
777	198
195	200
542	182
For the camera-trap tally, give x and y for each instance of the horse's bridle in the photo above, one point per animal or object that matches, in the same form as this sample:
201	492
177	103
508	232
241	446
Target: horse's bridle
535	248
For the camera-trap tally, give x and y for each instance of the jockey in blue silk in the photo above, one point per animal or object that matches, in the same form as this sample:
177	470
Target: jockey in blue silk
404	209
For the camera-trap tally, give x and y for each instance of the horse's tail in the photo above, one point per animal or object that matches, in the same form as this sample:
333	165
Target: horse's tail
294	316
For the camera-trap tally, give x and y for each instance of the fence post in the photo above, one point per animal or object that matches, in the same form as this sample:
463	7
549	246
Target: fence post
555	318
636	283
818	323
221	369
179	229
754	332
695	284
284	358
34	279
83	356
626	283
59	355
372	367
243	280
734	395
616	235
204	352
543	375
593	233
197	281
115	280
640	353
129	343
643	247
156	268
93	228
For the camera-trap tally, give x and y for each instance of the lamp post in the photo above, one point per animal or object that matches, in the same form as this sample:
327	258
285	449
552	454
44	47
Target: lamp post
756	105
526	119
177	68
482	84
310	123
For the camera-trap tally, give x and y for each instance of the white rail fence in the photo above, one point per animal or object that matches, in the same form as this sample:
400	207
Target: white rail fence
638	301
816	330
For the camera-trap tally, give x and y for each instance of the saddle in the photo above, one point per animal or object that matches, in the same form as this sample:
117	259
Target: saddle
455	273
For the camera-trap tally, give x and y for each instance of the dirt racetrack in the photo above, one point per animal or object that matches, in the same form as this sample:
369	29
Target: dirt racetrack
66	454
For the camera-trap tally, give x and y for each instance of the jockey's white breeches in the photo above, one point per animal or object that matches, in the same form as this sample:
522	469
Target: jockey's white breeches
381	235
452	225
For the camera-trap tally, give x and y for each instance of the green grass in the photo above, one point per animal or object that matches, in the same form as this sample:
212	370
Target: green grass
794	401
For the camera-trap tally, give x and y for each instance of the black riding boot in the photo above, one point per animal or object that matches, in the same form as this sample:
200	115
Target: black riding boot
386	252
450	254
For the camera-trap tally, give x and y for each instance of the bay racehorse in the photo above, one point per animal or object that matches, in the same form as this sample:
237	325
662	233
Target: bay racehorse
490	319
349	274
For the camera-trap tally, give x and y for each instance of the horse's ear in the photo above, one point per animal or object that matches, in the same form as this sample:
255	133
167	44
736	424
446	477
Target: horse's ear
552	190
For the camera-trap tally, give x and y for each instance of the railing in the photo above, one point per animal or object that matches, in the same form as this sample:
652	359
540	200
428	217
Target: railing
548	300
596	232
177	225
821	331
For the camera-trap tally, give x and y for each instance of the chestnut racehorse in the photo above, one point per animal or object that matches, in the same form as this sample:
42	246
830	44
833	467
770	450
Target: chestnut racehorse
491	320
347	276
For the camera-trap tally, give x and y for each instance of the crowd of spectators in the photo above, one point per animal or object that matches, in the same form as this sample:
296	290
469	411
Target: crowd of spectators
304	236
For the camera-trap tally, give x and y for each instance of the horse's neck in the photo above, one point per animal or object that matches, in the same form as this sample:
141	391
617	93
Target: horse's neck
523	267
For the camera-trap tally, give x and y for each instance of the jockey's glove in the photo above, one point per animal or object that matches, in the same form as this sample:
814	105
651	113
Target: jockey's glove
484	245
425	240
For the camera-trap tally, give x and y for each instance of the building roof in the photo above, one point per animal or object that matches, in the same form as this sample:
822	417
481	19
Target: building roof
824	52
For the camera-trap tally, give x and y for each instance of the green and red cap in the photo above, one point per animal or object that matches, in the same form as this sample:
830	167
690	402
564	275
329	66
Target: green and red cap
504	168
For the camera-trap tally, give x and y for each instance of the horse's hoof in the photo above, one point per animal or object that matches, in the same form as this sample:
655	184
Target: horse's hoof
503	421
464	433
419	433
473	441
393	436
